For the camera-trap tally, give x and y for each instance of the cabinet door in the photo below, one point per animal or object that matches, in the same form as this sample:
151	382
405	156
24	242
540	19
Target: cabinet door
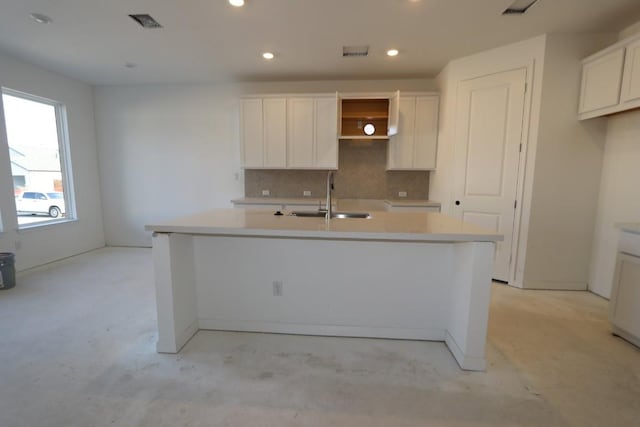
401	146
625	303
631	77
601	81
275	132
301	132
251	132
394	114
326	138
426	132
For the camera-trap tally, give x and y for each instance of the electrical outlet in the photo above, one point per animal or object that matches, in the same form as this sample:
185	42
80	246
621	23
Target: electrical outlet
306	193
277	288
402	194
266	192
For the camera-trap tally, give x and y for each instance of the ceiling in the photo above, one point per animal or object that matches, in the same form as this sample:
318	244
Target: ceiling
209	40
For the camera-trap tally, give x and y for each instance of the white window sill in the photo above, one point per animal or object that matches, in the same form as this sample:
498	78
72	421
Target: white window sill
45	224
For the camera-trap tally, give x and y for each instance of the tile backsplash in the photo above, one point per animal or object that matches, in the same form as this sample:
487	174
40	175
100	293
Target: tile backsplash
361	174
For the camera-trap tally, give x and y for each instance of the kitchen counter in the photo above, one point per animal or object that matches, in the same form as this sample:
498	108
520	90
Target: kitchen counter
409	226
399	275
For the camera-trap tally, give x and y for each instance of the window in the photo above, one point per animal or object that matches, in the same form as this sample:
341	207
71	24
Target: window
40	166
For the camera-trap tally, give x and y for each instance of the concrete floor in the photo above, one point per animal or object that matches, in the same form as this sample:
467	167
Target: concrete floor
77	348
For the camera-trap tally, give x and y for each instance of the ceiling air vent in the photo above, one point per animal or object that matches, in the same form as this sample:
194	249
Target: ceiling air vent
349	51
519	7
146	21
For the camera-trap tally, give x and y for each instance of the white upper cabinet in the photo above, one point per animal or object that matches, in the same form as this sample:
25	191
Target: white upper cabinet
275	132
326	133
631	78
301	133
601	79
263	132
312	138
394	114
415	145
611	80
289	132
251	133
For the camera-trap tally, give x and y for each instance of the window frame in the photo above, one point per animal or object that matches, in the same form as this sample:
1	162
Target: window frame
64	153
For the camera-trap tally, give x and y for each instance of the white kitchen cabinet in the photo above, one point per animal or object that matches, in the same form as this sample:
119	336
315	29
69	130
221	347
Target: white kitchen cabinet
300	132
415	145
601	80
251	133
312	138
326	133
611	80
289	132
263	132
631	77
624	310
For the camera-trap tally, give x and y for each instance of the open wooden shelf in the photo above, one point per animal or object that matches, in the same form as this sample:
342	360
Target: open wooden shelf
363	137
365	115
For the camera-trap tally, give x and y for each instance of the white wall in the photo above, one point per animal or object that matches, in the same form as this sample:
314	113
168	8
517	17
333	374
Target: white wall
619	198
172	150
567	171
49	243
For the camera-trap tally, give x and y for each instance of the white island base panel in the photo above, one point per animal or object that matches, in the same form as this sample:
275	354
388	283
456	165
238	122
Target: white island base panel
436	291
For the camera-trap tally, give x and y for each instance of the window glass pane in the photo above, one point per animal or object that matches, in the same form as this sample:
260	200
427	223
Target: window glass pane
37	161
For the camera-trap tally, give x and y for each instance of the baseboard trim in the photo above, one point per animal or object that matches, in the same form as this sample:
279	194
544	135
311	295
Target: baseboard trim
555	286
466	363
323	330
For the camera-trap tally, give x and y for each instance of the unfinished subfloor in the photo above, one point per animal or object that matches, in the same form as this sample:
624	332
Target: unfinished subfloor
77	348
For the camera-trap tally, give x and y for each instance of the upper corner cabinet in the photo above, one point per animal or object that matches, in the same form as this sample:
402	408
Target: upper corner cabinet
611	80
601	80
368	116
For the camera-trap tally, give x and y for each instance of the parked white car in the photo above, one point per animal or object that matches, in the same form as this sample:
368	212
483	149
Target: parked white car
35	202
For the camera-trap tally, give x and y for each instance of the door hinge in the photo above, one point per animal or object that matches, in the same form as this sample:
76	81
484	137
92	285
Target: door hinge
521	148
525	87
515	204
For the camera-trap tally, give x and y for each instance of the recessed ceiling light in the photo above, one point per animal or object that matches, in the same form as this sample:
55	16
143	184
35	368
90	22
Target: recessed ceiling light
268	55
518	7
40	18
393	52
236	3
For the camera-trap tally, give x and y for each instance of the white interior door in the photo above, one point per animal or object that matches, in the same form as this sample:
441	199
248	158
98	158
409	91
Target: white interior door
487	149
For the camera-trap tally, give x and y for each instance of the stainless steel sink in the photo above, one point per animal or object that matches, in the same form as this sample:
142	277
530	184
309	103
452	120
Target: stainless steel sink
322	214
351	215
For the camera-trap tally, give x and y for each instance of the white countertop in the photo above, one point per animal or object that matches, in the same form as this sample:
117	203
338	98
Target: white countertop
339	202
403	226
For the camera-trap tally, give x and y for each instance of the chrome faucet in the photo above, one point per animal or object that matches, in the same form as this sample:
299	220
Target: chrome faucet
329	190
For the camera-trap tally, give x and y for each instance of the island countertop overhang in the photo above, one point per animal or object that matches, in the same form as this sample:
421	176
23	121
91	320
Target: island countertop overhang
396	226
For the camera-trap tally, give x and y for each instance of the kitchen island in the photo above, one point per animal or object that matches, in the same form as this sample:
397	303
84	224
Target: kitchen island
402	275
